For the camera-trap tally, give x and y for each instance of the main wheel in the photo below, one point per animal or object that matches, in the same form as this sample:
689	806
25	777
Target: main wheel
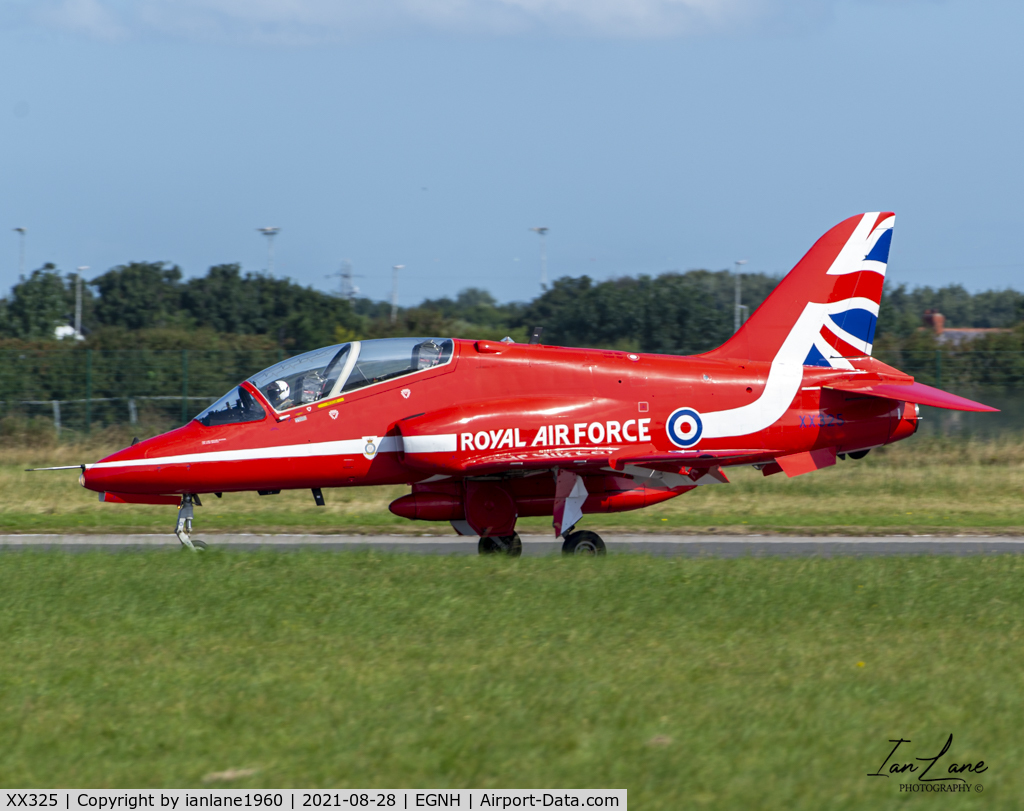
511	545
583	543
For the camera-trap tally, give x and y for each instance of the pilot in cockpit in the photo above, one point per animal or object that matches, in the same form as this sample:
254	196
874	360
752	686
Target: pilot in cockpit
279	394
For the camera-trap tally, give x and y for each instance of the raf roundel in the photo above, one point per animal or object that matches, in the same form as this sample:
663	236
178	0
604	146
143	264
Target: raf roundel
684	427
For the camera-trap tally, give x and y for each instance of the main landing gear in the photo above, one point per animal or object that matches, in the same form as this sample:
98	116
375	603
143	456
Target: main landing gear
184	528
575	543
582	543
510	545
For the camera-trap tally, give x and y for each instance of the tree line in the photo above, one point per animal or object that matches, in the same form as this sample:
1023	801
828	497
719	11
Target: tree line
150	305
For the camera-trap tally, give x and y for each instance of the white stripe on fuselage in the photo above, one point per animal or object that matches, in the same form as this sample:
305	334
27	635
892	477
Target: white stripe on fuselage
388	444
784	377
430	443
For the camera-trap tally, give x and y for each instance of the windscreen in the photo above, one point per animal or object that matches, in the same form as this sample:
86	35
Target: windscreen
234	407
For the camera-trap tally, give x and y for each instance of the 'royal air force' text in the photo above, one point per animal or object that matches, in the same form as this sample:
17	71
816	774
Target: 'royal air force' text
547	436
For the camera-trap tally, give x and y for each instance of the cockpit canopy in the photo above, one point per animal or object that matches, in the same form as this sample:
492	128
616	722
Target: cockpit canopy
332	371
236	406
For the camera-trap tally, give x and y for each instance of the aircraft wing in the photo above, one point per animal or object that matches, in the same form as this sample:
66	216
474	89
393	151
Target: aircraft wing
670	473
694	458
590	459
482	464
910	392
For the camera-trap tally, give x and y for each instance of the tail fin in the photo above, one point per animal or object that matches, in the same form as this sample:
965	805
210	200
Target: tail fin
825	309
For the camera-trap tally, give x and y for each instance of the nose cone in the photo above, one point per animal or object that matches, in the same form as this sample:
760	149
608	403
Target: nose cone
145	467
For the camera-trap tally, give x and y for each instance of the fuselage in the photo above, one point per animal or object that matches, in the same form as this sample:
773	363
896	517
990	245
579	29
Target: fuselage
505	405
488	431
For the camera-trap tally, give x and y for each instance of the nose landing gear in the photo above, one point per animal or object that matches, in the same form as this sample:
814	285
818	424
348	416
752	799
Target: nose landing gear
184	528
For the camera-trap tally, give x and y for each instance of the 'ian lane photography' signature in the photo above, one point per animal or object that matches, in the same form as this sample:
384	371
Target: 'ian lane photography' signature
903	768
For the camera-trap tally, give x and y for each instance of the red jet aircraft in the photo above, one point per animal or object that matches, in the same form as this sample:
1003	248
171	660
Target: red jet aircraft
488	431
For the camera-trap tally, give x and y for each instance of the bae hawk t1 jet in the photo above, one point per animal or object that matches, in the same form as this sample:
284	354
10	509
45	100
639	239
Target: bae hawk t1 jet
485	432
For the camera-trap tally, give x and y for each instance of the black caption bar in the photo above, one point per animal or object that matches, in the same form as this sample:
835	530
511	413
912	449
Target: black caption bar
291	799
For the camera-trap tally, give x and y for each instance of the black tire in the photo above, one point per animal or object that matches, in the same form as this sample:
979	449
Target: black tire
510	545
198	545
859	454
583	543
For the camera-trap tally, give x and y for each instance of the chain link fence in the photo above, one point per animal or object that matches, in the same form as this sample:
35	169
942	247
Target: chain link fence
81	390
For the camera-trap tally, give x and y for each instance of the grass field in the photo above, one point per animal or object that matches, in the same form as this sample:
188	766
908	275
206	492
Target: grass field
918	486
752	683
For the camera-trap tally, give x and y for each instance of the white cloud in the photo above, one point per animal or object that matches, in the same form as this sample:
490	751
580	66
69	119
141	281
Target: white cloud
92	17
318	20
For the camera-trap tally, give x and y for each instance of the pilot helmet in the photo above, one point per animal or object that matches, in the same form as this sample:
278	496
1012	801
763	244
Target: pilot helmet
278	391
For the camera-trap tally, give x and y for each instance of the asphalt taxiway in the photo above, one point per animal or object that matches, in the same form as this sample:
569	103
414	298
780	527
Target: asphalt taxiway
539	545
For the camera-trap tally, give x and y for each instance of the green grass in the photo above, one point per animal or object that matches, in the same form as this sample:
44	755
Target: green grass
919	486
691	683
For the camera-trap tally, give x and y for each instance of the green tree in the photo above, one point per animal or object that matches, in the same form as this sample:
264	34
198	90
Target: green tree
39	303
300	317
139	295
225	301
902	309
673	313
898	316
474	313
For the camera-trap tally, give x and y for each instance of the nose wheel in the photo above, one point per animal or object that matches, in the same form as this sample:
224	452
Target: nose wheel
583	543
184	527
510	545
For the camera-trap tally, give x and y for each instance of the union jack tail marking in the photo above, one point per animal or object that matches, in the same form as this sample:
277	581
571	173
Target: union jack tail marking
824	312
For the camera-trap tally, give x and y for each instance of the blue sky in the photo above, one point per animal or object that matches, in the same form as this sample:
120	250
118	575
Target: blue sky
648	135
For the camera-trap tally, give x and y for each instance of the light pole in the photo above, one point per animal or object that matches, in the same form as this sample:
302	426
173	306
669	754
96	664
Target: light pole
737	317
542	232
269	232
78	301
21	252
394	292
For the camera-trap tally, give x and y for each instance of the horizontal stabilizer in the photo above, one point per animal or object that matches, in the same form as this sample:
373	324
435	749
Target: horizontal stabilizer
917	393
